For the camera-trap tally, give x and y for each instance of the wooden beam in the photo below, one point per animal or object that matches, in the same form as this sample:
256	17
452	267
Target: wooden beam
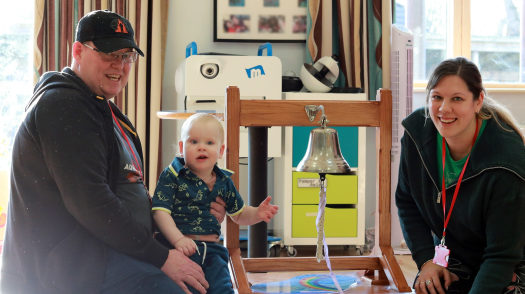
376	278
284	264
339	113
239	273
184	114
385	148
231	240
232	115
392	269
292	113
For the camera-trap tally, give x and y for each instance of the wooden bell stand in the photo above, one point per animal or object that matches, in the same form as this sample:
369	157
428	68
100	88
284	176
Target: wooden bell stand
381	268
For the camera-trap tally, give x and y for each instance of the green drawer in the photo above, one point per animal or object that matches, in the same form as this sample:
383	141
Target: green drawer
339	222
340	189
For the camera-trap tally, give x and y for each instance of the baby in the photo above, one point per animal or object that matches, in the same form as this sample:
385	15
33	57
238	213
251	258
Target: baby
182	200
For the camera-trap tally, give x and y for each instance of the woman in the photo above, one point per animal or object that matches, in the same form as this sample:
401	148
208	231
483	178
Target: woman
484	166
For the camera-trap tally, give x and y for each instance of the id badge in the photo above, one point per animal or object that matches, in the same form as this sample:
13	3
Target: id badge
441	256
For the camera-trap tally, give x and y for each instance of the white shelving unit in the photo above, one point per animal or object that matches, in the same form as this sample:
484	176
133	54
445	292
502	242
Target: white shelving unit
283	180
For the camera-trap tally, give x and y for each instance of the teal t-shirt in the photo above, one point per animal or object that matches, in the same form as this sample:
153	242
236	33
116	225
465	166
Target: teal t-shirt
187	198
452	168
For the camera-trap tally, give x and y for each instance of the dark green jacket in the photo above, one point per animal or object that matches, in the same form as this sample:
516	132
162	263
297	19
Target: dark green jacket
486	230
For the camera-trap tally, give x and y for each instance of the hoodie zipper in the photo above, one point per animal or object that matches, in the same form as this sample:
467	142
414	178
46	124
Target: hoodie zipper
439	192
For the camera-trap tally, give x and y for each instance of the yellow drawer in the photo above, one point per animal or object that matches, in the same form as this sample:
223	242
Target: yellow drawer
340	189
338	222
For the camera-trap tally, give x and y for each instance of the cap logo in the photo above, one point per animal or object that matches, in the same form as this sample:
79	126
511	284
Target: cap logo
119	26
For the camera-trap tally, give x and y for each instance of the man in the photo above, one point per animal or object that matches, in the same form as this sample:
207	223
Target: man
79	212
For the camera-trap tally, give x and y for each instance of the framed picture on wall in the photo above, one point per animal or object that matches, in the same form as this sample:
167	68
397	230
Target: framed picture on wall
259	21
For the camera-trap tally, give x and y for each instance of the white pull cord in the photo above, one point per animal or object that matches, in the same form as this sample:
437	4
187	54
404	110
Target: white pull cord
320	224
205	249
321	242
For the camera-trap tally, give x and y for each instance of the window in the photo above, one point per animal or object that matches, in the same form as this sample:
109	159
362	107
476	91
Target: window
488	32
16	84
16	75
495	43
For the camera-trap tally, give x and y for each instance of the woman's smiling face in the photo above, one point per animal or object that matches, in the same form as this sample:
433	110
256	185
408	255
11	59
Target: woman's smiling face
453	108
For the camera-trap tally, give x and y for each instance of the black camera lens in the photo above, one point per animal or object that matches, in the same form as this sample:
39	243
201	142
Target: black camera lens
209	70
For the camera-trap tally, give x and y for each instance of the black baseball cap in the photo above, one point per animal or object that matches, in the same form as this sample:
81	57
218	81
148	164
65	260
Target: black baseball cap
108	30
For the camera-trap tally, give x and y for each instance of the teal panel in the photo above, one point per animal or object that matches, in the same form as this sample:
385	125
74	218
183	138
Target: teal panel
348	141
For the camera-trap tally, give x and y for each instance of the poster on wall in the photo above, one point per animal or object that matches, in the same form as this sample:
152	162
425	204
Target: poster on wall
259	21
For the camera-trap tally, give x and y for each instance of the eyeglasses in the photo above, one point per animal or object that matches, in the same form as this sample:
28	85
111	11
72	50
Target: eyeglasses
128	57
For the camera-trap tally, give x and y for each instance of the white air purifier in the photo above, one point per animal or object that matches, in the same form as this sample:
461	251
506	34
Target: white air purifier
402	84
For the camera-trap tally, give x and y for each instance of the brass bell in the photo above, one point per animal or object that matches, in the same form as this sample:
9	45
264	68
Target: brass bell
323	155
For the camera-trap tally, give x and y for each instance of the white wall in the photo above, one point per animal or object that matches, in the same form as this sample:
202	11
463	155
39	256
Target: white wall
193	21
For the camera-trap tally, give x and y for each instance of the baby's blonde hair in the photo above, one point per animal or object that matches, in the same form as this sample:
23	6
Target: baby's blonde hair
200	117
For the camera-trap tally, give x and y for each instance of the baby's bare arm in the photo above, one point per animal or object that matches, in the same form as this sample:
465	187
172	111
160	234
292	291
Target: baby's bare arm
251	215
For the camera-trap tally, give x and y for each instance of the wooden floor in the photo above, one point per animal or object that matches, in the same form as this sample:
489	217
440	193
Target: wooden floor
406	263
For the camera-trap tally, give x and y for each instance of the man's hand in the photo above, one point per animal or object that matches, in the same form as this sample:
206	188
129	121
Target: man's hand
186	246
218	209
182	270
267	211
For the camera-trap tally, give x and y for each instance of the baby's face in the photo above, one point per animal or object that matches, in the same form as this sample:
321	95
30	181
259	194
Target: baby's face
203	147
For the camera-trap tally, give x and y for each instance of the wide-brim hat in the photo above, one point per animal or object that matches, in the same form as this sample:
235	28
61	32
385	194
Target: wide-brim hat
108	31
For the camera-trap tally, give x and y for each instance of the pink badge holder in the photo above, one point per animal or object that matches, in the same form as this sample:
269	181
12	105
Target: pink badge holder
441	256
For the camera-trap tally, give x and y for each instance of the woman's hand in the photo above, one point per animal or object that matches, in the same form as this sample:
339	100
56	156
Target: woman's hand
186	246
429	279
218	209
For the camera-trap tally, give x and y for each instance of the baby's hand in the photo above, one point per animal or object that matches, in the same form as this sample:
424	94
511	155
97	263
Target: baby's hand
267	211
186	246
